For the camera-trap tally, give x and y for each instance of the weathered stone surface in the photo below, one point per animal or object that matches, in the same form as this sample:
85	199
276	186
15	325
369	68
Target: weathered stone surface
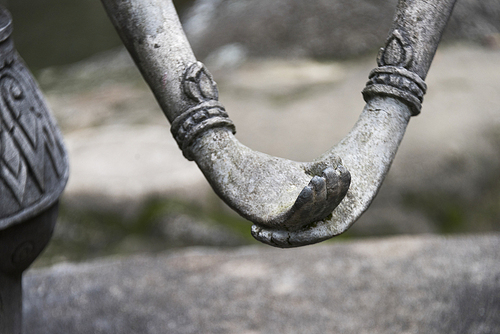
324	29
398	285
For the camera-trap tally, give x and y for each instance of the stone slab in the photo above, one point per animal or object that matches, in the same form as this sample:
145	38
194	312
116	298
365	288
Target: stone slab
424	284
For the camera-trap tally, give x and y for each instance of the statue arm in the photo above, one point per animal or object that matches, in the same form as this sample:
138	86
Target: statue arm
290	203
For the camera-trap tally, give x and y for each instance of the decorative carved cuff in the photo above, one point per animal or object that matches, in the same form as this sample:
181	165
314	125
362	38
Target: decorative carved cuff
396	82
394	77
208	113
195	121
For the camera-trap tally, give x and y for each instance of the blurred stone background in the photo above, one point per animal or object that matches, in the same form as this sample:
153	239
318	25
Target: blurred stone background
290	74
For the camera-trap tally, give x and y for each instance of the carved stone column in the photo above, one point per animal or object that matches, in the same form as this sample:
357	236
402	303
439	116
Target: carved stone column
33	173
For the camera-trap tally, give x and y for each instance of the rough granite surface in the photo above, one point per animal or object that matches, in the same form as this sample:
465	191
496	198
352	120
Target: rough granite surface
424	284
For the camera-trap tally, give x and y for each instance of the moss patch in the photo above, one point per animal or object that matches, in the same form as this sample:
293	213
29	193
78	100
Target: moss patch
159	224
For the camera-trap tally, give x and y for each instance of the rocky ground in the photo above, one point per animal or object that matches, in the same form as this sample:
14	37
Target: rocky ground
393	285
131	190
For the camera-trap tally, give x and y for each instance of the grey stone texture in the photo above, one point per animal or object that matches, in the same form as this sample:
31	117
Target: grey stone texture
423	284
319	29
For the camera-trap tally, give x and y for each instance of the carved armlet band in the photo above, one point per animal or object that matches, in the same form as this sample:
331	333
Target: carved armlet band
199	86
394	76
195	121
396	82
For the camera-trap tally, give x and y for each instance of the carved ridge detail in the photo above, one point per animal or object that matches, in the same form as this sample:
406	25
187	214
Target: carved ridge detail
393	77
208	113
396	82
195	121
397	51
33	161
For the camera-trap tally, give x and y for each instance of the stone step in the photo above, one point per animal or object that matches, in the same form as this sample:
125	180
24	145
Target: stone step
424	284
